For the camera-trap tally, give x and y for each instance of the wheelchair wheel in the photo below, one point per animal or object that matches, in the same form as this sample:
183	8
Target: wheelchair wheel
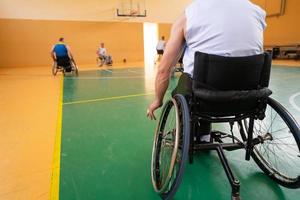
99	62
170	148
74	68
54	69
278	153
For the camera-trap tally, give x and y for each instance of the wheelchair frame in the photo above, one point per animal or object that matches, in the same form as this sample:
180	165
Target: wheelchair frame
231	90
248	143
100	61
220	146
56	68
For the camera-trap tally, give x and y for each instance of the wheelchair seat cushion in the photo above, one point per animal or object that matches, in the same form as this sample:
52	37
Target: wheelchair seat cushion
231	96
64	62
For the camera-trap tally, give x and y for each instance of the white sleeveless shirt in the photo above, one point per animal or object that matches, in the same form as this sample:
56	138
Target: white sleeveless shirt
223	27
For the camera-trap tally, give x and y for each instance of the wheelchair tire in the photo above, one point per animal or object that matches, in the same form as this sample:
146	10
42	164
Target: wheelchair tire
54	69
278	155
74	68
99	62
170	147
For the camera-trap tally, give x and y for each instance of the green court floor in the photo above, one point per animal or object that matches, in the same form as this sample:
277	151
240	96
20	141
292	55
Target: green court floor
106	142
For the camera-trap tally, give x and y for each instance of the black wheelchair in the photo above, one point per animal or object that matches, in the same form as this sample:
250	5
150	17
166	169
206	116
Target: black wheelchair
101	60
180	63
231	90
64	65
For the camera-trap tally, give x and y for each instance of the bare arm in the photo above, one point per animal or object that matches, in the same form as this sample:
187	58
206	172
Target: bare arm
170	56
53	56
69	52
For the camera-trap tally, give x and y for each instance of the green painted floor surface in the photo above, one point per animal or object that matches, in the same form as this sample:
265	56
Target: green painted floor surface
107	144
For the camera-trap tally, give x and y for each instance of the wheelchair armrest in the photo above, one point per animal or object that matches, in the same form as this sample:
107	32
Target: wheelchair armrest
231	95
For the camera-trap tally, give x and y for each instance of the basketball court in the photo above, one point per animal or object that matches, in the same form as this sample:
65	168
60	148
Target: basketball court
87	136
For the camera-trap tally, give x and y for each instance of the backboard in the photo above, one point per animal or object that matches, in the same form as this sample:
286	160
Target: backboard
131	8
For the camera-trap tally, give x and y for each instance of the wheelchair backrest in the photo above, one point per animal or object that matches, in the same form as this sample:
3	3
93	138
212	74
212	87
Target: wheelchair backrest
231	73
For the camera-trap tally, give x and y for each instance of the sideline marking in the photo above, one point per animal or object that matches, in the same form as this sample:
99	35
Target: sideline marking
292	101
54	190
107	98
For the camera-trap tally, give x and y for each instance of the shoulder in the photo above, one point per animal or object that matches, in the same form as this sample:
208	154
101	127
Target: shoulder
260	11
260	14
56	45
194	5
180	22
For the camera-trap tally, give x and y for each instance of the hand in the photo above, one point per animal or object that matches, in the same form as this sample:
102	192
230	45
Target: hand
152	107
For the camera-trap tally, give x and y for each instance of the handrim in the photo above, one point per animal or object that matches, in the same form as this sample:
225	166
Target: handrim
170	103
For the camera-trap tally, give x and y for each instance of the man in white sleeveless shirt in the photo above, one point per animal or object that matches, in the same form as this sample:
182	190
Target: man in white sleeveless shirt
221	27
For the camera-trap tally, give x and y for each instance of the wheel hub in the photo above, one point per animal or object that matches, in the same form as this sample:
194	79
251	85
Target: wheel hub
267	136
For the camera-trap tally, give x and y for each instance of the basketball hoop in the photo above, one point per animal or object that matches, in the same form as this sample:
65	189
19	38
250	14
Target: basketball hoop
131	8
133	12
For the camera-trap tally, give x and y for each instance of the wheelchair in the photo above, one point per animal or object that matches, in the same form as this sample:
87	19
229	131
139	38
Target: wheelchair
159	55
234	91
64	65
180	62
101	60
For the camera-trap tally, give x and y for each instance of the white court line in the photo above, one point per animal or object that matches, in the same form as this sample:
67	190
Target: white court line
134	72
292	101
107	70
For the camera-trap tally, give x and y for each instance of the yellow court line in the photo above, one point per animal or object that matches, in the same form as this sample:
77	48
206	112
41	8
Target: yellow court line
107	99
54	190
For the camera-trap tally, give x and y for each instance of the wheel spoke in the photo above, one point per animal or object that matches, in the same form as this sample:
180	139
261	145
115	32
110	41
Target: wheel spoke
168	151
279	152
